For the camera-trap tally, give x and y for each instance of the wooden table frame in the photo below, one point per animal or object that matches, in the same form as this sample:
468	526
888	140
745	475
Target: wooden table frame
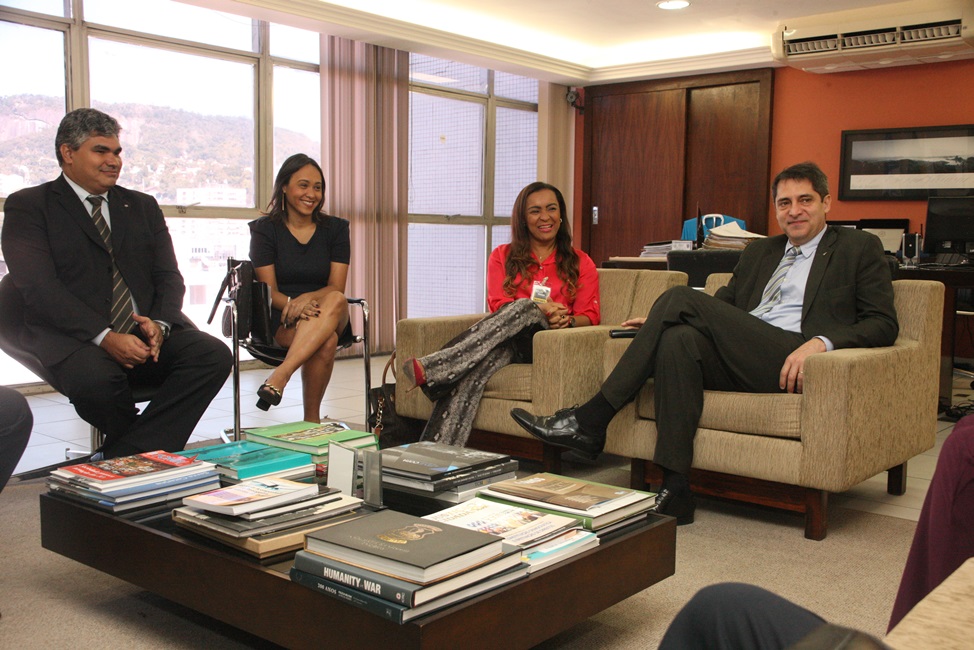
239	591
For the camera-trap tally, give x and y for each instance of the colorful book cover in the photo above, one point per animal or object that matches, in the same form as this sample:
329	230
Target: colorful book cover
308	437
518	525
246	459
567	492
138	467
255	494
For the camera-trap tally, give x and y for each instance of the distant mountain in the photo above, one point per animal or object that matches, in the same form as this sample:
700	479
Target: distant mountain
163	148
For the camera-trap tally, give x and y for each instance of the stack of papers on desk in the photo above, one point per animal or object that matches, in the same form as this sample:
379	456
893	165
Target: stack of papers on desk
730	237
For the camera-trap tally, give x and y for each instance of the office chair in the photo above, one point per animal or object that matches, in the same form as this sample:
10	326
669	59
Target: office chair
247	323
11	324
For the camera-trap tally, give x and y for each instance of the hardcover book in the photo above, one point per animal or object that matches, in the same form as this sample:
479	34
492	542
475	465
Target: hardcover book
237	527
484	475
405	546
245	459
308	437
600	507
572	493
160	483
252	495
518	525
130	470
171	496
400	613
394	590
430	461
269	545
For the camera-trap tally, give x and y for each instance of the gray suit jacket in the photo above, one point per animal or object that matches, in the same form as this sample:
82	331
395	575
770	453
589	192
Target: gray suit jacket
62	268
848	296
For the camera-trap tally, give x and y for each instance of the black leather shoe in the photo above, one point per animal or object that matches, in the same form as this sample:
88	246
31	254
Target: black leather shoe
561	430
676	504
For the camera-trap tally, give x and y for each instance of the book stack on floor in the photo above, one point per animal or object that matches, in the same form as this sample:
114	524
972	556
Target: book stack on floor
265	517
424	477
137	486
311	438
544	538
599	507
402	567
241	460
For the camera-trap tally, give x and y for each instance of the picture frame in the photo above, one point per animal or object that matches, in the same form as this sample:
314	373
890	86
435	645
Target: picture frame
907	164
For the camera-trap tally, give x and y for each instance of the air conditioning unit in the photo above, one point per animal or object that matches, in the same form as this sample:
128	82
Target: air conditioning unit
884	36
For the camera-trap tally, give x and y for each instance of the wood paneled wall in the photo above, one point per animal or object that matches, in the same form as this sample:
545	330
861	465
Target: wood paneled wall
656	150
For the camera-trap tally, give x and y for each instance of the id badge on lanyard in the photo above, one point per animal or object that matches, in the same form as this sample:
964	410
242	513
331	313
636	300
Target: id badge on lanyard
540	292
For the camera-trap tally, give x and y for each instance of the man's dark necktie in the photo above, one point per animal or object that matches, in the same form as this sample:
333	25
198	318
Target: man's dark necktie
772	292
122	320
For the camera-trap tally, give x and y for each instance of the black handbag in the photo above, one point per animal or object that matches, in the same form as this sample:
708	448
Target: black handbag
391	428
253	300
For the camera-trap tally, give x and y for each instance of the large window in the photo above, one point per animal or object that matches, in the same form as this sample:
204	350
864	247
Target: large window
186	85
472	146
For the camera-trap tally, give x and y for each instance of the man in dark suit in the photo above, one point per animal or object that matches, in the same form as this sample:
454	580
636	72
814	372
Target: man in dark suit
95	265
807	291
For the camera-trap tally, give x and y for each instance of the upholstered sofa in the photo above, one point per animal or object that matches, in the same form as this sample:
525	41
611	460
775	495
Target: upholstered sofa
862	412
567	366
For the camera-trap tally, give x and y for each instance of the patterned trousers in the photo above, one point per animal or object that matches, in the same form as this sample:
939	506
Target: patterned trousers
457	374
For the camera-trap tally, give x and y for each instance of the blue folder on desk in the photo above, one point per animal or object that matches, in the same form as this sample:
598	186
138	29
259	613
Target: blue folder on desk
709	221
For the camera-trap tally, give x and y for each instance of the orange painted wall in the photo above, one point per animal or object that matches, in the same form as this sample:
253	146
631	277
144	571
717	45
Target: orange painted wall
811	111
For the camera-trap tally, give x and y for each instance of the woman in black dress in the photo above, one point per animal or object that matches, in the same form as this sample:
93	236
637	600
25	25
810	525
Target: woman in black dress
302	254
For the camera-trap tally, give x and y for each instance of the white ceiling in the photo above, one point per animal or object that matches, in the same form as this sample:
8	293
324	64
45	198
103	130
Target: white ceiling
576	42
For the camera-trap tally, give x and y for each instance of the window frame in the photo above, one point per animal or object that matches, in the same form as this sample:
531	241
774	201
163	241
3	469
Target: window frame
488	219
77	90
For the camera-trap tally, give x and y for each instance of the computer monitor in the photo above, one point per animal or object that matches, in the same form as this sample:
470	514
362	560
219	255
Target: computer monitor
950	225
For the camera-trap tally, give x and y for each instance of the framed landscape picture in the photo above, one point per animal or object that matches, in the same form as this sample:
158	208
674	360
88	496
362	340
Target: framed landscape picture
907	164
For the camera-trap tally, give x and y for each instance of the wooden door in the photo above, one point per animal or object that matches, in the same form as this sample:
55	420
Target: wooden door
637	171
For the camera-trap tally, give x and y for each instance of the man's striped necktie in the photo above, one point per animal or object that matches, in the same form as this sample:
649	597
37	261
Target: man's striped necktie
772	292
122	320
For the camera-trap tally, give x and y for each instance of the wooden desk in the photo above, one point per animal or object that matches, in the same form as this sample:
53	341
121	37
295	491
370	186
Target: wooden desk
234	588
952	279
650	263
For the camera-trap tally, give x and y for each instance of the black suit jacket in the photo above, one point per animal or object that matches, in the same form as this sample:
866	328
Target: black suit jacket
63	270
849	293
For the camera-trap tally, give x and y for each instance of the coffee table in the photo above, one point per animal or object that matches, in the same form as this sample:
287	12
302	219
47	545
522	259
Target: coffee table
238	590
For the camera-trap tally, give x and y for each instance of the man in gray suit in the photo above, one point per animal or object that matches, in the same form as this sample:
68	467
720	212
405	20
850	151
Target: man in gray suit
103	295
810	290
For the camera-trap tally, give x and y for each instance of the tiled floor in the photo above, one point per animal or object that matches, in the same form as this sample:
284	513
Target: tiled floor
56	426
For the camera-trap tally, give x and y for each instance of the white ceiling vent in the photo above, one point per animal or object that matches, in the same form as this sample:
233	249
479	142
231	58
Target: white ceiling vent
877	38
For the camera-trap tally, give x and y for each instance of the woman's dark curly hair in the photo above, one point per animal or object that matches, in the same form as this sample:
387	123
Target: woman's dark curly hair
519	260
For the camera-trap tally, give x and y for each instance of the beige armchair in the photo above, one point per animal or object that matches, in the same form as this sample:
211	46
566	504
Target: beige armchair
862	412
567	367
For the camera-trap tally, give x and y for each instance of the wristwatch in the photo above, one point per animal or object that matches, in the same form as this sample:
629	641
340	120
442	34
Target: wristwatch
165	330
571	322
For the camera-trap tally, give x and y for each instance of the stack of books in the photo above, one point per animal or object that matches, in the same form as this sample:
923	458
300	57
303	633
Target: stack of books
241	460
265	517
311	438
544	538
141	485
424	477
600	508
401	567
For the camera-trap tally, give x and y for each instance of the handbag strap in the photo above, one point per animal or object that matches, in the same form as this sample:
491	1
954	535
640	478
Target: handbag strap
390	365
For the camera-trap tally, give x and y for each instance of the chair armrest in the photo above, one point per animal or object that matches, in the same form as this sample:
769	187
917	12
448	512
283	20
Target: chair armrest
865	410
417	337
567	366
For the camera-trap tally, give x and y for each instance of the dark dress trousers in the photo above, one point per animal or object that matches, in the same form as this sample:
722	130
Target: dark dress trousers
693	342
62	268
